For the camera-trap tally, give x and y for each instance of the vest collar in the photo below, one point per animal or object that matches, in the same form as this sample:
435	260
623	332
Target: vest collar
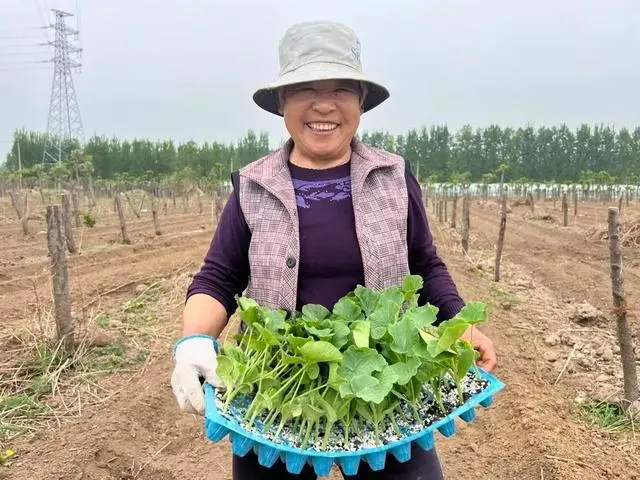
271	171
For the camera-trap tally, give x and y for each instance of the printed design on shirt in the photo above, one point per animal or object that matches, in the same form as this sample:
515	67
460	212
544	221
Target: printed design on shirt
310	191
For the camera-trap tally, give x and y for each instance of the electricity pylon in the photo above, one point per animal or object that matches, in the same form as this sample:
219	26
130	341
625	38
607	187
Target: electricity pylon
64	122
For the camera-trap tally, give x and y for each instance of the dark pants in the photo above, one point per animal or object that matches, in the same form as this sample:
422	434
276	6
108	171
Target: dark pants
422	466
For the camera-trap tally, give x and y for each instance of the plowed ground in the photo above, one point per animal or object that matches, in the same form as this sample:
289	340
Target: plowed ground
534	430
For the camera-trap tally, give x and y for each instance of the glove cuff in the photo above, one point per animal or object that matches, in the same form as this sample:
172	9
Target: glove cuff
197	341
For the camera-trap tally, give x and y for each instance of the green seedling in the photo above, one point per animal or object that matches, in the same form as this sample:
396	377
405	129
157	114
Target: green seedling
351	365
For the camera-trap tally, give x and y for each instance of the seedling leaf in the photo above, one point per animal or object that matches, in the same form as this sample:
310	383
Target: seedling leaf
368	299
314	352
404	334
361	330
411	284
361	361
347	309
315	312
382	317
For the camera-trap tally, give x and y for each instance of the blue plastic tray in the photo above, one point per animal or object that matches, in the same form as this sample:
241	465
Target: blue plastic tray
243	441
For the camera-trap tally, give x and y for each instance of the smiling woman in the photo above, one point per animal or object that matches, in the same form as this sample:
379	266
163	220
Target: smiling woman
311	221
322	117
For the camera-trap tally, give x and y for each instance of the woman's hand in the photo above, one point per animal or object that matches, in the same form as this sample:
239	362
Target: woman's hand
195	362
484	346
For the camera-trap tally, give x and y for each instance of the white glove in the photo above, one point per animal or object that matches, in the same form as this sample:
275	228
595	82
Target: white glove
195	359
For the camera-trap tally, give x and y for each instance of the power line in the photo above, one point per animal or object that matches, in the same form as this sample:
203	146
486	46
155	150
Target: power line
64	122
21	37
24	62
24	45
14	54
23	29
22	69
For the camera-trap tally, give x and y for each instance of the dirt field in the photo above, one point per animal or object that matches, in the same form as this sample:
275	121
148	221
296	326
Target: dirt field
126	424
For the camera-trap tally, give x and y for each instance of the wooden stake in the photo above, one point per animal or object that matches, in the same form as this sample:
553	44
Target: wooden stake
66	223
15	202
136	212
219	206
503	226
25	215
154	215
446	201
76	209
625	339
455	211
565	210
144	196
60	278
213	210
123	223
92	194
620	205
465	222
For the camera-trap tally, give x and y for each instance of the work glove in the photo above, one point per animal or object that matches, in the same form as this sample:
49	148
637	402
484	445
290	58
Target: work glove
195	363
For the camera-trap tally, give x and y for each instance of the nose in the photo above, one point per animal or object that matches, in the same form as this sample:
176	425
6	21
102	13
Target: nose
324	102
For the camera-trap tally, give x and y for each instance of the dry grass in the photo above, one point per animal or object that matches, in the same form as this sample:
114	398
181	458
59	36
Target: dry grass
629	232
40	384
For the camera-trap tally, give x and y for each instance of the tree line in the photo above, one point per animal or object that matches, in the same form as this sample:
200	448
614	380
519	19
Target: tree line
597	153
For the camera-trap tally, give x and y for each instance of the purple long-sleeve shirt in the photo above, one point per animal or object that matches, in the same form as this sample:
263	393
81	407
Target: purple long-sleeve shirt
330	259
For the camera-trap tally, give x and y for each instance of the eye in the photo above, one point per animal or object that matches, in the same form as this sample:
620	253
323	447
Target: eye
302	92
345	90
300	88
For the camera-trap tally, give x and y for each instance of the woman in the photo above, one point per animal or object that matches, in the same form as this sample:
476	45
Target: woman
311	221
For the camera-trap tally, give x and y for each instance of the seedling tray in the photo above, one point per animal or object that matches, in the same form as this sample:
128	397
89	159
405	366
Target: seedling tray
218	426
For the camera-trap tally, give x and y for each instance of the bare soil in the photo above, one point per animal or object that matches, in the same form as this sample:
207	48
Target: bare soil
550	360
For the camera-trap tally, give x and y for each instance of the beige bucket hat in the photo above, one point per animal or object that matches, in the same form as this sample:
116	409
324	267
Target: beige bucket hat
320	50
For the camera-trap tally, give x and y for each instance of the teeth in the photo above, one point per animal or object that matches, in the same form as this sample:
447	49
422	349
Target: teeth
322	126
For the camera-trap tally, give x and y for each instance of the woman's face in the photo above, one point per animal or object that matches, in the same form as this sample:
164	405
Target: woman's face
322	117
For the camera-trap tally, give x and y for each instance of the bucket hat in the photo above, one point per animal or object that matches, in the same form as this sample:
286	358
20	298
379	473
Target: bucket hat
320	50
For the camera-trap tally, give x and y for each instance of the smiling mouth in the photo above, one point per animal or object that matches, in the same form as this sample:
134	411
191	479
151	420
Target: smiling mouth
322	126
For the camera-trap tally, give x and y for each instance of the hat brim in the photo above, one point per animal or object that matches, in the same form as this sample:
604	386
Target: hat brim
267	97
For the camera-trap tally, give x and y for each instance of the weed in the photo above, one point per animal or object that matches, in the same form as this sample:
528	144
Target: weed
88	220
102	320
608	415
503	298
113	357
136	310
6	456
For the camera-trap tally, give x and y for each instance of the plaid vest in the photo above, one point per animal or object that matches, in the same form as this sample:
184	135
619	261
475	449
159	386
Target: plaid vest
268	203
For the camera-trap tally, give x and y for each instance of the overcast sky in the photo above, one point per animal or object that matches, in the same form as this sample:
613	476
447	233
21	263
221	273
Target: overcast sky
181	70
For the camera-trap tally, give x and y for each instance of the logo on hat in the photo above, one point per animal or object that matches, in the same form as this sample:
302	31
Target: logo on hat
355	51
